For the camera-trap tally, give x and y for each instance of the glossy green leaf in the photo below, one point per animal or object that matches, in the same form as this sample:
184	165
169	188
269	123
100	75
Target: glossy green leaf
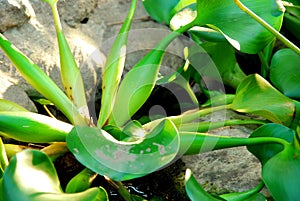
222	57
243	32
32	127
242	197
255	95
71	76
3	158
161	11
81	182
281	175
6	106
292	18
284	72
39	80
207	34
100	152
250	195
139	82
195	191
266	151
70	73
114	68
32	176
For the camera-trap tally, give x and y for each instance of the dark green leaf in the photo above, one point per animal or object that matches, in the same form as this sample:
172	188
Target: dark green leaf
266	151
281	175
161	11
285	73
100	152
255	95
243	32
31	176
222	63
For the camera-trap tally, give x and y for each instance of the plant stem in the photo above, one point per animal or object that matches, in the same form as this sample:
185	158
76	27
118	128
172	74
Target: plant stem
192	115
120	188
264	65
207	126
56	18
278	35
195	143
55	150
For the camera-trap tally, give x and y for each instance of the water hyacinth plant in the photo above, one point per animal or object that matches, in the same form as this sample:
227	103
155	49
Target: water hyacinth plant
121	148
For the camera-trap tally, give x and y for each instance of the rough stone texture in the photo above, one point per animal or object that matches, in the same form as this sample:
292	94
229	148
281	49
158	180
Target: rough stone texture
74	12
227	170
13	13
14	93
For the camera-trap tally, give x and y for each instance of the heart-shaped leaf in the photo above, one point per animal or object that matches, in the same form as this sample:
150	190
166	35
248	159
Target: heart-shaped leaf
255	95
243	32
100	152
31	175
281	174
266	151
284	72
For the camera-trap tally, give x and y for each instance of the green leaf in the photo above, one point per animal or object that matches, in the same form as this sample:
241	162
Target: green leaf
114	68
32	176
70	73
243	32
222	63
284	72
280	175
244	197
195	191
139	82
3	158
41	101
161	11
101	153
255	95
81	182
39	80
32	127
266	151
6	106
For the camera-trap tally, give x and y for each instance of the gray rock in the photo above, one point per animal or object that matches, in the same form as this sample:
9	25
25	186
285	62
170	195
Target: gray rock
74	12
14	13
226	170
10	91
